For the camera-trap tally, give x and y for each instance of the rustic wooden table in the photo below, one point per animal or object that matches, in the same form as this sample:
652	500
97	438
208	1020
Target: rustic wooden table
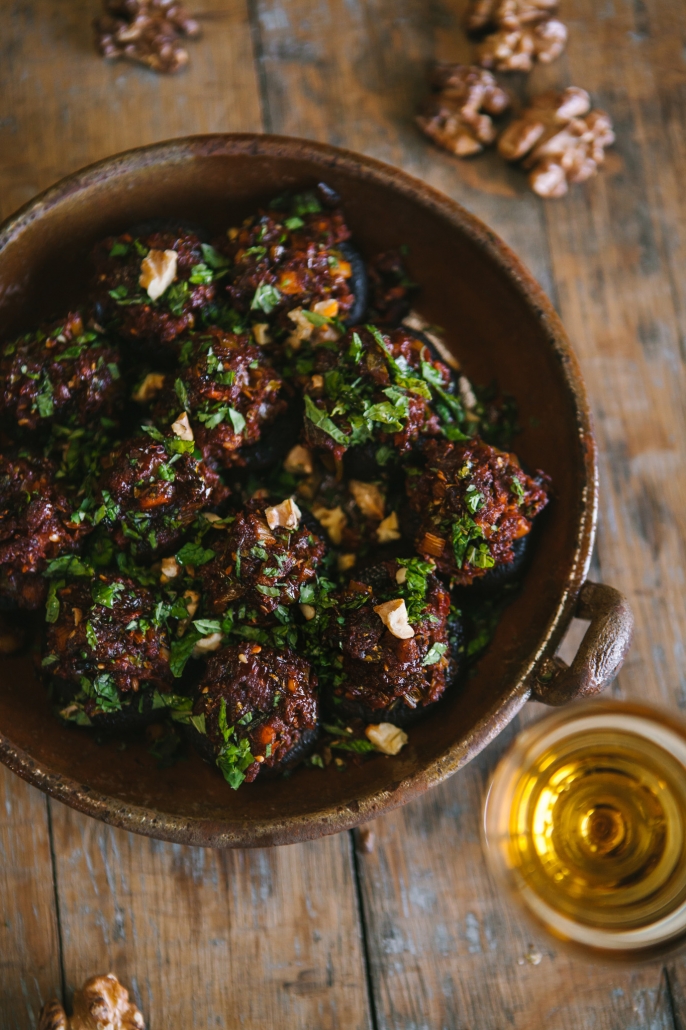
412	934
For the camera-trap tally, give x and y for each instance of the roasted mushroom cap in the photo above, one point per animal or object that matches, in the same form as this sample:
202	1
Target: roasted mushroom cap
229	390
106	651
373	387
151	489
35	528
292	256
262	560
472	502
153	288
65	372
259	709
399	643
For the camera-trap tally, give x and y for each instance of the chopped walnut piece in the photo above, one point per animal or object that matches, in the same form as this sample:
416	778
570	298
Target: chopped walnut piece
482	14
456	116
261	333
334	521
169	569
287	515
158	271
149	388
518	33
393	614
182	428
101	1004
386	737
346	562
559	139
368	498
389	530
147	31
206	644
299	461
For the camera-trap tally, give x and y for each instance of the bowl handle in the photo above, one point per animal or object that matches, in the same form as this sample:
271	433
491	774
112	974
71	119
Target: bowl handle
601	652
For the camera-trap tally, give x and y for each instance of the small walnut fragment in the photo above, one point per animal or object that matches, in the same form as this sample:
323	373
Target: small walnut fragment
516	33
457	116
386	737
559	139
147	31
101	1004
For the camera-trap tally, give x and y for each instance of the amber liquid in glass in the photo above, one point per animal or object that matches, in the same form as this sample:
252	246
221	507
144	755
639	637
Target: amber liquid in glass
592	827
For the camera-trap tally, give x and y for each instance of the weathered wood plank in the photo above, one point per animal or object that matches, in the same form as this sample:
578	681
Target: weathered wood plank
351	72
211	938
62	106
29	946
446	949
202	938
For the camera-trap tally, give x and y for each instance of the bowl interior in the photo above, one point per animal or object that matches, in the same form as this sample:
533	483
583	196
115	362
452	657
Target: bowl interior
496	322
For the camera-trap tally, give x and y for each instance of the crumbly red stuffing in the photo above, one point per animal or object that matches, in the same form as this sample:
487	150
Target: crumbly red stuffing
229	390
349	386
380	668
390	288
258	567
35	528
474	501
117	291
105	631
149	495
300	261
269	697
64	372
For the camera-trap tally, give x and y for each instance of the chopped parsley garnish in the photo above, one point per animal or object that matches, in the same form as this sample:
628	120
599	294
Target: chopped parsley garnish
266	298
434	654
194	554
106	594
234	756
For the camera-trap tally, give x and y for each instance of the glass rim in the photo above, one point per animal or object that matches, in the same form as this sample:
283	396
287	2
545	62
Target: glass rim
668	732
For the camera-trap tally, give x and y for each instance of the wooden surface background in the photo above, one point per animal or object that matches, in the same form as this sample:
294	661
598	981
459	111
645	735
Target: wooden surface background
413	934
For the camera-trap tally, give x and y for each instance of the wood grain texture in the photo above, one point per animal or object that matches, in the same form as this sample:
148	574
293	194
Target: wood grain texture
272	938
445	949
29	949
202	938
207	938
62	106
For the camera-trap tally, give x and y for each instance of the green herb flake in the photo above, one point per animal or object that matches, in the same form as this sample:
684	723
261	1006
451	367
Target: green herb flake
182	394
213	258
194	554
67	565
106	594
201	275
91	636
266	298
321	420
434	654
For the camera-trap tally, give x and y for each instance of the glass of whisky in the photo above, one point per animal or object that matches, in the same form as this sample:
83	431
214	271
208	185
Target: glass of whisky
585	818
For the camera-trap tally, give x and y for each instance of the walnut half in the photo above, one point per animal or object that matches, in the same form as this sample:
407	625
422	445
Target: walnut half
101	1004
147	31
516	33
559	139
457	116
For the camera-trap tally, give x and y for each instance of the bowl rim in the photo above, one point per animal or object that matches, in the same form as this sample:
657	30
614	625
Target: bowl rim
290	829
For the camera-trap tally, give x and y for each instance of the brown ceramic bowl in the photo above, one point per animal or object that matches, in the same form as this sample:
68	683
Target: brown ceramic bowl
498	322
